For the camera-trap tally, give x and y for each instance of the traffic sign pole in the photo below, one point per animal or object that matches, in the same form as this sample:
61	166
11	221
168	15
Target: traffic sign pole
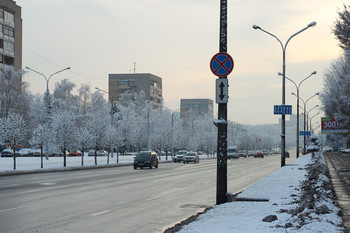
221	178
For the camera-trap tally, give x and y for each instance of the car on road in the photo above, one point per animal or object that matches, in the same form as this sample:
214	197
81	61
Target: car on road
191	157
37	152
102	153
74	153
259	154
266	152
146	159
242	153
251	153
179	156
232	152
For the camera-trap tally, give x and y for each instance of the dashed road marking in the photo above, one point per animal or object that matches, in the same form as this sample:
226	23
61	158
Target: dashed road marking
100	213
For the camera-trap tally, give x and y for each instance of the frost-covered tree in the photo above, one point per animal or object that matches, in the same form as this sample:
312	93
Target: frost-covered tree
12	131
64	131
13	92
341	28
63	98
97	125
41	137
84	140
84	98
110	139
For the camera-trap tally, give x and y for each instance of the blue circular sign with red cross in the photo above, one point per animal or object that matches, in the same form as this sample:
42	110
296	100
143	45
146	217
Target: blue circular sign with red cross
221	64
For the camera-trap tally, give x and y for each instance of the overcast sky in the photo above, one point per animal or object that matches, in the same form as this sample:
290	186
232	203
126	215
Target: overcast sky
176	39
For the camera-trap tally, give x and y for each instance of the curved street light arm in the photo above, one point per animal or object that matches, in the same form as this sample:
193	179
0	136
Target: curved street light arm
306	78
58	72
28	68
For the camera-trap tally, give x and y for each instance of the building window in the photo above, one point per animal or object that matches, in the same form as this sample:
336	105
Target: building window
9	17
1	59
132	83
123	83
1	13
9	46
9	31
1	43
9	60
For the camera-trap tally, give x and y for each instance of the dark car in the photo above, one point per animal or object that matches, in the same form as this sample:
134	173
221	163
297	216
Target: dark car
9	153
242	153
146	159
259	154
191	157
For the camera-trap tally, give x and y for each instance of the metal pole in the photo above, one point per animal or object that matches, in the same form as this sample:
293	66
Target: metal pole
298	122
304	127
221	179
283	133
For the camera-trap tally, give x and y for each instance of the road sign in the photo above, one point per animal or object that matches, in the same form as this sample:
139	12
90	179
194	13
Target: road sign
304	133
221	64
221	90
282	109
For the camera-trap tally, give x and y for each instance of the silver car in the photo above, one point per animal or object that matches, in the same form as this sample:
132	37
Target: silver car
191	157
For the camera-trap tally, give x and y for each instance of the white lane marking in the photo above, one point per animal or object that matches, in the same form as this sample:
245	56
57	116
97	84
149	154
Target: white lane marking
14	208
47	184
152	198
81	195
100	213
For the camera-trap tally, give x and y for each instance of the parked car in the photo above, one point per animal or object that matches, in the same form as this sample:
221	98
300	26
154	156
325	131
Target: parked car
251	153
8	153
259	154
179	156
91	153
74	153
191	157
37	152
242	153
266	152
146	159
25	152
232	152
102	153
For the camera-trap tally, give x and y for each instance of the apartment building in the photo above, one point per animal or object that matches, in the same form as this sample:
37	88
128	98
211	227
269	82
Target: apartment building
134	83
10	35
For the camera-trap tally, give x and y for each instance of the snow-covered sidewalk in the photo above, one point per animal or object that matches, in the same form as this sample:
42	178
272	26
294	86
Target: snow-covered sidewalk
295	198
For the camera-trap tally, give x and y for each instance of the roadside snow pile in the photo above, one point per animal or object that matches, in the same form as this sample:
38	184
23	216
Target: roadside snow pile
296	198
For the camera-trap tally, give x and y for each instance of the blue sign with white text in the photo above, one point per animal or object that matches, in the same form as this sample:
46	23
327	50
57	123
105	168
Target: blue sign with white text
282	109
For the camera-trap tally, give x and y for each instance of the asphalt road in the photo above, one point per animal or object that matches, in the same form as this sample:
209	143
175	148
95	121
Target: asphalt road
119	199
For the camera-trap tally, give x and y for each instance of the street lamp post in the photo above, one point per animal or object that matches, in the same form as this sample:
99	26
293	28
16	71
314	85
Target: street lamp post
297	87
284	47
47	96
311	120
305	116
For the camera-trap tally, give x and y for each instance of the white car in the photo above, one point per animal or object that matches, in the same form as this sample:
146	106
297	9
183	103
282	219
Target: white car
179	156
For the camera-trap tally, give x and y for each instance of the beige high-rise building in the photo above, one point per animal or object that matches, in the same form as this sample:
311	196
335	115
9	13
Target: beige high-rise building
134	83
10	35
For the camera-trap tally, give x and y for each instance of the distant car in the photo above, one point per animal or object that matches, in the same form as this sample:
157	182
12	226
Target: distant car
327	149
266	152
242	153
25	152
74	153
232	152
251	153
191	157
345	150
200	152
8	153
102	153
37	152
179	156
91	153
259	154
146	159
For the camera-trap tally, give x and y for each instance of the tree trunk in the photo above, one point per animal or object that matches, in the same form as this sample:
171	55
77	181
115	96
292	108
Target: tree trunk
41	157
82	156
64	157
14	159
95	155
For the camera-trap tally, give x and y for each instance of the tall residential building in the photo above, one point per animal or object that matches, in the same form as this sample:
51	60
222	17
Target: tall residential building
10	35
201	106
134	83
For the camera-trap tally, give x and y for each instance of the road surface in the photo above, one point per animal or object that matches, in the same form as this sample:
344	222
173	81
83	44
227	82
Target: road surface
119	199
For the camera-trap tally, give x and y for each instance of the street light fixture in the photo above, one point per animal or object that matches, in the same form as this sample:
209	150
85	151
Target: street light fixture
311	120
298	87
307	114
283	134
47	96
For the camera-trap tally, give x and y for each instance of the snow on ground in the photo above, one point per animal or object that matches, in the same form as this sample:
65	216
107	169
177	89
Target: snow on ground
285	210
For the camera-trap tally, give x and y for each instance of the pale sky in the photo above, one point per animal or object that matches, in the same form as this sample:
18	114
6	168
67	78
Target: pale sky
176	39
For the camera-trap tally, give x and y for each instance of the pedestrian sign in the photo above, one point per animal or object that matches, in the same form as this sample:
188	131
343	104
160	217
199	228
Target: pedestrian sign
282	109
